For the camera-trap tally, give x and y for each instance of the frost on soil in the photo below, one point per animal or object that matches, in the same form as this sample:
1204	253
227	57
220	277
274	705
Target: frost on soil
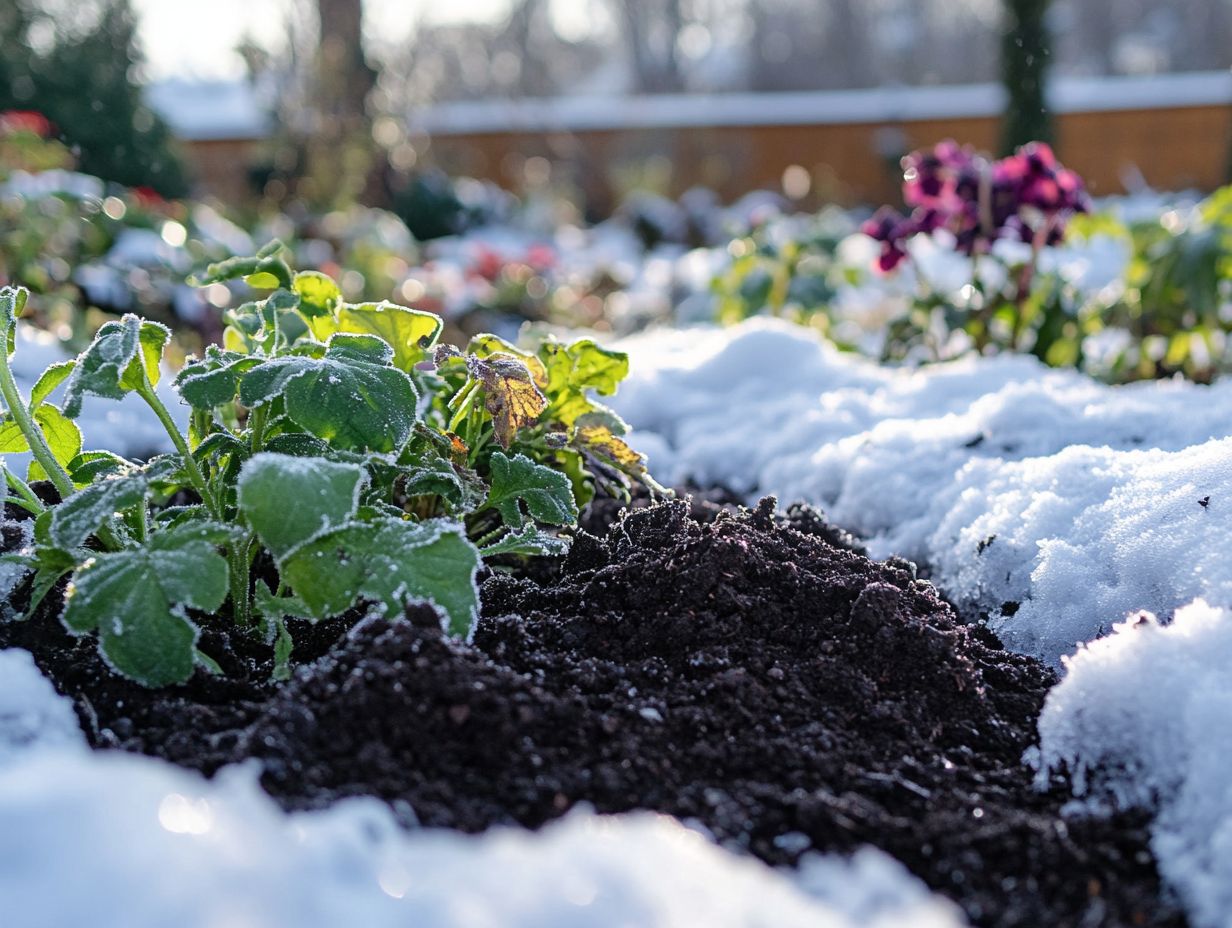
116	840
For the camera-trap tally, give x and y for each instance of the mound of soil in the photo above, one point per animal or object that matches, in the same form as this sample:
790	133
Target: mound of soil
743	673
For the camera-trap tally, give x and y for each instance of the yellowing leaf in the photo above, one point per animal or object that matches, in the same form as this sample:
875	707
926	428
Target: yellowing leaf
487	346
510	394
600	440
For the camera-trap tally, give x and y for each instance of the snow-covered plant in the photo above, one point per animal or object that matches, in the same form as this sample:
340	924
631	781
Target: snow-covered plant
335	456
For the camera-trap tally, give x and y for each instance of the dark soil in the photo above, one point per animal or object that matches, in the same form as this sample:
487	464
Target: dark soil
742	672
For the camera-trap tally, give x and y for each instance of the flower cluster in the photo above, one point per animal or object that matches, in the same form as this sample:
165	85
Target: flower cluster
1026	197
14	122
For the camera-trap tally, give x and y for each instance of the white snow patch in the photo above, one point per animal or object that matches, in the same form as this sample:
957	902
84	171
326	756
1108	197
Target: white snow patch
31	713
188	852
1144	718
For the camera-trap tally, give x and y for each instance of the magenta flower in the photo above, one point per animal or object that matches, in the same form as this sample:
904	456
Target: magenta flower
1027	197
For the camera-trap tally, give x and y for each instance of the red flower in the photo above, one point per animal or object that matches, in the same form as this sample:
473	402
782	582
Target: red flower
13	121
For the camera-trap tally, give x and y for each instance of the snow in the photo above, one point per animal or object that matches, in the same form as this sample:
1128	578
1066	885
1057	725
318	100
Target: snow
31	714
1092	492
198	110
1144	718
877	105
112	839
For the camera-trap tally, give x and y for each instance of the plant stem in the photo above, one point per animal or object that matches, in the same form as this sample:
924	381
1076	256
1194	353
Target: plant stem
256	428
143	523
147	393
241	606
30	429
28	499
237	561
463	400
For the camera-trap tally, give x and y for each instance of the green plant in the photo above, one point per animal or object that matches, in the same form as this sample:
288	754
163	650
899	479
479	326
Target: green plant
328	462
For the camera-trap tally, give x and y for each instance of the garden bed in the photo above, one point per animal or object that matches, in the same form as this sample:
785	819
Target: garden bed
785	694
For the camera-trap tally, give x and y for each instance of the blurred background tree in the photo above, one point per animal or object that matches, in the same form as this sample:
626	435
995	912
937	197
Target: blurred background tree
1026	52
340	150
79	64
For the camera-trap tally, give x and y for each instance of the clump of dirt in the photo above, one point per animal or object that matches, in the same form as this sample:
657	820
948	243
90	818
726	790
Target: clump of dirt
738	672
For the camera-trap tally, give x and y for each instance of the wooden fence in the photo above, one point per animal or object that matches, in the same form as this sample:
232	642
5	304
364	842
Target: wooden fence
1171	131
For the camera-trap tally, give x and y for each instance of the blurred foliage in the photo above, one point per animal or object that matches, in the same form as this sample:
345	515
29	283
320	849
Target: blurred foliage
1169	313
1176	306
84	81
793	277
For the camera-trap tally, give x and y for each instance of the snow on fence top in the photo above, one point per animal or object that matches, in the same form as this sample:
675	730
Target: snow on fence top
203	111
827	107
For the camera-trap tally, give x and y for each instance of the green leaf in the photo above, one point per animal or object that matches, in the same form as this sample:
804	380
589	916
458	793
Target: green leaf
299	444
278	607
49	380
351	397
575	369
518	482
81	515
392	563
152	339
122	355
319	294
411	332
433	475
266	270
90	466
531	541
291	500
137	600
63	437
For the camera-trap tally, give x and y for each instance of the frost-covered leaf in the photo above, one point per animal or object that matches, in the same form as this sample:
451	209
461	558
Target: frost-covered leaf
510	395
219	444
92	465
390	562
432	475
290	500
266	270
531	540
298	444
410	332
137	600
122	355
83	513
278	607
488	345
518	482
215	379
351	397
